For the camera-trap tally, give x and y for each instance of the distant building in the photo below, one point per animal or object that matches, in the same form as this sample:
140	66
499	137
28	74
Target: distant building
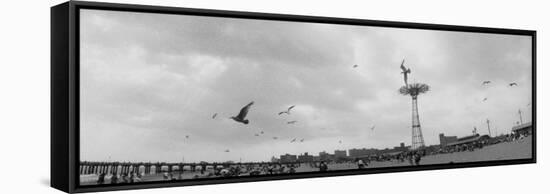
361	152
305	158
340	153
400	148
431	148
444	140
324	156
288	158
469	139
316	158
274	159
525	128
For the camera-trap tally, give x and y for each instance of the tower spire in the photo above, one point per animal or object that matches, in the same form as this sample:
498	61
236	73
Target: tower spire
489	127
413	90
520	118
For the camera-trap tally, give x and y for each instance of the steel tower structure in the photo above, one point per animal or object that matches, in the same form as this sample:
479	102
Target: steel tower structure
417	138
414	90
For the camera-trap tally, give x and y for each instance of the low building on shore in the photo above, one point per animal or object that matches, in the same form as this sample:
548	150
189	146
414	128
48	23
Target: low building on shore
444	140
401	148
274	159
324	156
361	152
305	158
340	153
524	129
288	158
468	139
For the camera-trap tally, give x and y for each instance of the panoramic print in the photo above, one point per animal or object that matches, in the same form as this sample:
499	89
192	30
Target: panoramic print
167	97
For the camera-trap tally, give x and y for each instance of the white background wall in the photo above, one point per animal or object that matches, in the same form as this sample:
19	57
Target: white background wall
25	95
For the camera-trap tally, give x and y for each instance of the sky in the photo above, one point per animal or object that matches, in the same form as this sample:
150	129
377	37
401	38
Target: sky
150	84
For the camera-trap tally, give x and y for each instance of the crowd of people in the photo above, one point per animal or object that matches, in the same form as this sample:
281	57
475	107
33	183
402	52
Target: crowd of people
472	146
412	157
513	137
264	169
133	177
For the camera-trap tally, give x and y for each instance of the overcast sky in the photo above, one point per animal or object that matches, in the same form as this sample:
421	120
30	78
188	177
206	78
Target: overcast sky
150	80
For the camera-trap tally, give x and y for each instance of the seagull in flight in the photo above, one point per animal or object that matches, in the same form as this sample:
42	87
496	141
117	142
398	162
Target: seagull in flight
261	132
293	140
187	136
291	122
214	116
372	128
485	99
485	82
405	71
256	135
226	150
301	140
513	84
287	111
275	137
241	118
355	66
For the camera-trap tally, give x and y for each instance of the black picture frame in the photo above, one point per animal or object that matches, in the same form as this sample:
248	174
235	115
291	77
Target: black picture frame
65	88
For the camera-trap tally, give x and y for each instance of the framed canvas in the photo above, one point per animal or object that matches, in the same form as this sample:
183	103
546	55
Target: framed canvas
150	96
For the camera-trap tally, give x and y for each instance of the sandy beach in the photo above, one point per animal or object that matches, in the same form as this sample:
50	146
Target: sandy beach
520	149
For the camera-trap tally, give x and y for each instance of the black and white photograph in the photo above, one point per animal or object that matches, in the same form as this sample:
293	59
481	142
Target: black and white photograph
173	97
274	97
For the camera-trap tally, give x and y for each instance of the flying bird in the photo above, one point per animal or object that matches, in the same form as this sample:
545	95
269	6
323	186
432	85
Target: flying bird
529	104
485	99
354	66
405	71
340	141
301	140
187	136
214	116
513	84
372	128
241	118
261	132
226	150
293	140
256	135
287	111
291	122
485	82
275	137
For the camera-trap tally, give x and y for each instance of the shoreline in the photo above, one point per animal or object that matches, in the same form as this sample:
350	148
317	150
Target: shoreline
519	149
